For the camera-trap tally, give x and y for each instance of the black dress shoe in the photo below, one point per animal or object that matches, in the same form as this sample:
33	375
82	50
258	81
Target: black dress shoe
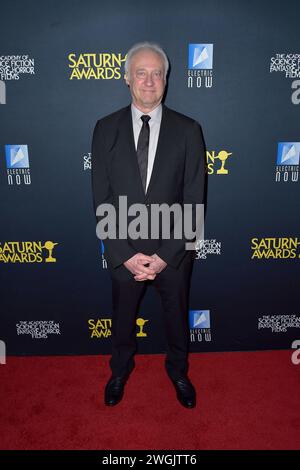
114	391
186	393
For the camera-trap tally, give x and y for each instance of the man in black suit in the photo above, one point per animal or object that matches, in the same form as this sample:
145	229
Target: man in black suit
152	155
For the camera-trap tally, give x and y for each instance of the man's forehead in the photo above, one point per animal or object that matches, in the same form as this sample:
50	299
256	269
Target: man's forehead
147	58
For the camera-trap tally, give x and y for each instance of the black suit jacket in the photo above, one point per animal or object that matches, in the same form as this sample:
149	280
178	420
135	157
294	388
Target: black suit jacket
178	176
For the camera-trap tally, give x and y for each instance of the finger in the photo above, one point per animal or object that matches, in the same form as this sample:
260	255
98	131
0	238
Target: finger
140	277
143	270
154	266
144	259
139	274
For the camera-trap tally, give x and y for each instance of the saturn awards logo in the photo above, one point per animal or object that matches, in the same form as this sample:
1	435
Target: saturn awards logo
96	66
217	163
27	252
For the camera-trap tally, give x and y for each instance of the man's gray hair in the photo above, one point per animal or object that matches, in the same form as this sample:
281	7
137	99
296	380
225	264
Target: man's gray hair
146	46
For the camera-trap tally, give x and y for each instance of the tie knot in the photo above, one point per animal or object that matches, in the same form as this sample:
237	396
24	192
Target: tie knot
145	118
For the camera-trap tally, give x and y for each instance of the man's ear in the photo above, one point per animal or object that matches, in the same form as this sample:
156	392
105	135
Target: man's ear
126	79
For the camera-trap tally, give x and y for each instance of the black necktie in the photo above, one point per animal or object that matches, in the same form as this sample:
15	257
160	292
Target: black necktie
142	149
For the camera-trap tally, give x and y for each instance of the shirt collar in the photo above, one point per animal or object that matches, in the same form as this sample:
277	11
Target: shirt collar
155	114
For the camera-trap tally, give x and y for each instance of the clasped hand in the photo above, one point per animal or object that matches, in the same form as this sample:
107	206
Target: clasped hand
137	266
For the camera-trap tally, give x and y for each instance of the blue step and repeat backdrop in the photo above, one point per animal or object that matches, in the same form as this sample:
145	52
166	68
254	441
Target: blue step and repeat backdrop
235	67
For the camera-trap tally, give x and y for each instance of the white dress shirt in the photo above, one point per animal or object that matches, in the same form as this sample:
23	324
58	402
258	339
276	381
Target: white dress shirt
154	125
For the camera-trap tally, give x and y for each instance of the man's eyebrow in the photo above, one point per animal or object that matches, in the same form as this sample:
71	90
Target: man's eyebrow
144	68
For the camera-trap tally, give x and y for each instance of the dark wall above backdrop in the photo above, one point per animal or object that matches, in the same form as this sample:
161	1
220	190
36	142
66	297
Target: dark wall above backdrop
235	68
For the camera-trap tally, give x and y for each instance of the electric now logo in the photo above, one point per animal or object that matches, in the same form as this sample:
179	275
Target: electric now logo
288	153
17	164
199	318
288	160
200	56
17	156
200	65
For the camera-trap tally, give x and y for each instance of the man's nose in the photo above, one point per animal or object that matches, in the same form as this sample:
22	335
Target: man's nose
149	79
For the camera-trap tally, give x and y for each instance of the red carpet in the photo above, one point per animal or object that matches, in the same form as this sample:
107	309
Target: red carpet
246	400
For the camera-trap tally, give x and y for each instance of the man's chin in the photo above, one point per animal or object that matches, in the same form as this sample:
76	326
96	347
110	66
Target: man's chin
150	104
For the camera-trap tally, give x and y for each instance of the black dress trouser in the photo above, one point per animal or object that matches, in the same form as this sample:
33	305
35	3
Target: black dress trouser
173	287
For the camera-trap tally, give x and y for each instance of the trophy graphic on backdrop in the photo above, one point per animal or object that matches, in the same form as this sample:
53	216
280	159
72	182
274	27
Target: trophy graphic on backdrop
49	246
141	322
223	155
